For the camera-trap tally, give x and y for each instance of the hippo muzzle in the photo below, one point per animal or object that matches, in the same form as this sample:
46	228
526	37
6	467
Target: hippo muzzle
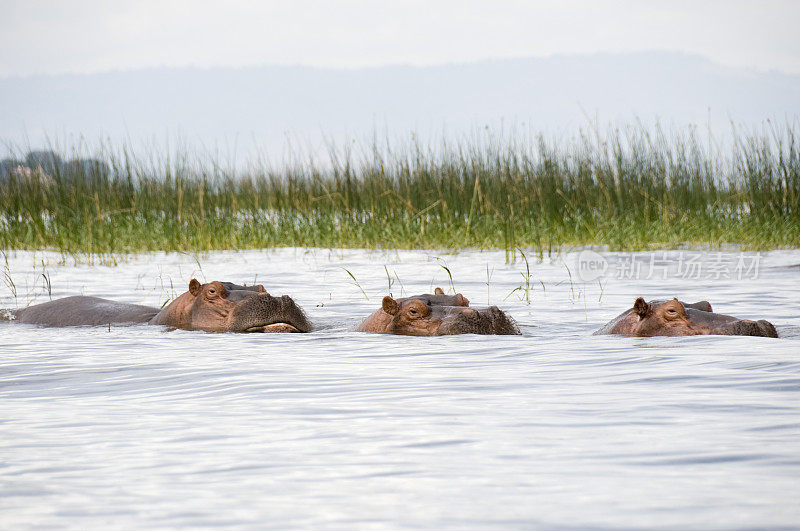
265	313
746	327
486	321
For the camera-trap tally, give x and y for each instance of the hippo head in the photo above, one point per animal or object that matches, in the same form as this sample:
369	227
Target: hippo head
417	316
226	307
674	318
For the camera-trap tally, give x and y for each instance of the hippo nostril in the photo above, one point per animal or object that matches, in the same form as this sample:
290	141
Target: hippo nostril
469	312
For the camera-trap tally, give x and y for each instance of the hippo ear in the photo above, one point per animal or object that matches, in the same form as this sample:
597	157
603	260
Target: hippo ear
390	305
194	287
438	291
461	300
640	307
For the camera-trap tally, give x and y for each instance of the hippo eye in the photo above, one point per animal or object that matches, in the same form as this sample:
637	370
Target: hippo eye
212	291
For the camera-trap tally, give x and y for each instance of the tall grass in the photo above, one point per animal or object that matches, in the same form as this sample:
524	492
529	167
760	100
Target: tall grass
626	189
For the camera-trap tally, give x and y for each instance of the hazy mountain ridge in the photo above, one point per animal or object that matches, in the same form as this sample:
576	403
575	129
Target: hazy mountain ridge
263	103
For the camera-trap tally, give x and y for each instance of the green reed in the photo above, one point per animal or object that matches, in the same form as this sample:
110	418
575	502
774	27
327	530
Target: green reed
626	189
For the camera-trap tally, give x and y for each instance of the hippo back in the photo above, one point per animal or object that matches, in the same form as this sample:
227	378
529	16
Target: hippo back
84	311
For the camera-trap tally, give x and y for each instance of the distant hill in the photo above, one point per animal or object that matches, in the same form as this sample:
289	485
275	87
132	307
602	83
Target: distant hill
554	94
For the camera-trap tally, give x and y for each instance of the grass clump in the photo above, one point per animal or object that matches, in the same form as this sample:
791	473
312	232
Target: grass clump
628	189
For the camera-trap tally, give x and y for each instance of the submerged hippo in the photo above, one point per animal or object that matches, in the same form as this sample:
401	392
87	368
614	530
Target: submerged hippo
676	318
213	307
436	315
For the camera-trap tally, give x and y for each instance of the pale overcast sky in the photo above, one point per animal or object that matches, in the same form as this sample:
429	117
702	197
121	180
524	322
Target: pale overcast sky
50	36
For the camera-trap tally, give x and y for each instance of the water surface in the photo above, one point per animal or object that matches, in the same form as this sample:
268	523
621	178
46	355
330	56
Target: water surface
135	426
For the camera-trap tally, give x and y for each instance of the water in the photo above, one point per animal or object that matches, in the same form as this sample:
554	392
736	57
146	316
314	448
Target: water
138	427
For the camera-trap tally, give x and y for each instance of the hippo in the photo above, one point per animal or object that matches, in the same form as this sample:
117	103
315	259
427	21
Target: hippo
436	314
212	307
676	318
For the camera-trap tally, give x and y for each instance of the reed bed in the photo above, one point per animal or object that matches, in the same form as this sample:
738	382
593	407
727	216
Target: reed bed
634	188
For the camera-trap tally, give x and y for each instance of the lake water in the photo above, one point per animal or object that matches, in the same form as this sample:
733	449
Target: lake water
138	427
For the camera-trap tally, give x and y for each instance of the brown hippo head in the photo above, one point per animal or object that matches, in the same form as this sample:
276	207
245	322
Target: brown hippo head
675	318
226	307
380	320
417	316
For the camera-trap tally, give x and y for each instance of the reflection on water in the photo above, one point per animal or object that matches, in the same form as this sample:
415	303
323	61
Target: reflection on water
135	426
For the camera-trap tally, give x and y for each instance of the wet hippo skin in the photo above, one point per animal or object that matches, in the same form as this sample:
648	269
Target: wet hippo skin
435	315
212	307
676	318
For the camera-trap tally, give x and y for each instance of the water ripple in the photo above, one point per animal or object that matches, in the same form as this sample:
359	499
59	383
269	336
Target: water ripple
136	427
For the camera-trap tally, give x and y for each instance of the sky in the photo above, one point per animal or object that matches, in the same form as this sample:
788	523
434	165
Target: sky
90	36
